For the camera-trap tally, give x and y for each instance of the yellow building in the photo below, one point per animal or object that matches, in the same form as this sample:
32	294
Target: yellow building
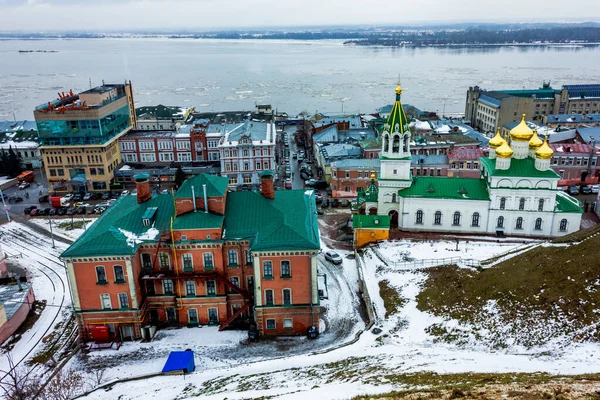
79	134
370	229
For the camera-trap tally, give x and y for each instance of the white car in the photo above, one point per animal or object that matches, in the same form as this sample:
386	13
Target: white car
68	197
125	192
594	188
333	257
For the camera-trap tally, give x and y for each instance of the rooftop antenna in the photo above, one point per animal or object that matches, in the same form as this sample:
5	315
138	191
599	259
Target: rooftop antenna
90	82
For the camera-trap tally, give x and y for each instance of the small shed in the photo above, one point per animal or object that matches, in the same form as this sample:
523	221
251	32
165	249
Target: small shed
180	361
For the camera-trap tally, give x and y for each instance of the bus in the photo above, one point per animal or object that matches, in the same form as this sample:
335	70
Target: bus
27	176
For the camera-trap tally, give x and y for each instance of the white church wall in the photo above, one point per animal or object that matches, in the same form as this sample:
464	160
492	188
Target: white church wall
467	208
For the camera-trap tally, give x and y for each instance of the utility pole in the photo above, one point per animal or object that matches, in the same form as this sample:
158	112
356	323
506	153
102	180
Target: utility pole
5	207
51	232
84	227
592	151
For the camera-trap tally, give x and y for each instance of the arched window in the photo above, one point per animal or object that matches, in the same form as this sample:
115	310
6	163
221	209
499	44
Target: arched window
502	203
456	219
394	197
386	142
522	203
563	225
519	224
475	219
437	219
541	205
406	142
538	224
419	218
396	144
500	223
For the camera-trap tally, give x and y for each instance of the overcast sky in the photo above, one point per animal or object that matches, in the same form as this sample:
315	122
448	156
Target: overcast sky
38	15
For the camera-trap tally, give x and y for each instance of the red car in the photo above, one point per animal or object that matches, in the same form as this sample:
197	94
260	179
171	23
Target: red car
34	212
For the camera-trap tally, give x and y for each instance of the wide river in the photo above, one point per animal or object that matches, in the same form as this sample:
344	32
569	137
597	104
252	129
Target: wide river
291	75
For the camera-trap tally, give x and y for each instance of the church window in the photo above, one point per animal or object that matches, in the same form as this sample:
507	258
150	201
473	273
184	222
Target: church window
419	219
386	142
538	224
437	219
395	172
500	223
394	197
563	225
396	144
456	219
502	203
519	224
522	203
475	219
541	205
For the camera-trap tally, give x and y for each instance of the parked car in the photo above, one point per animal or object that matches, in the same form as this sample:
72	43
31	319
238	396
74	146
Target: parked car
46	211
125	192
573	190
77	197
99	210
324	203
24	185
34	212
43	199
333	257
70	211
53	211
115	195
15	199
586	190
345	203
80	210
61	211
27	210
594	188
91	210
68	197
105	195
335	203
87	196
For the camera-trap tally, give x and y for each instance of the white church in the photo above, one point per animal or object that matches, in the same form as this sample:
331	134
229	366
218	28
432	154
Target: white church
517	193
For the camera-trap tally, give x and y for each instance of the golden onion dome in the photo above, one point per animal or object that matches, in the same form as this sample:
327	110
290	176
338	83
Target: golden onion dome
497	141
398	89
504	151
521	132
535	141
544	152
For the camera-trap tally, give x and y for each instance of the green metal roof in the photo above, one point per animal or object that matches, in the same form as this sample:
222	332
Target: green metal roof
567	204
198	220
287	222
216	186
371	221
120	230
434	187
518	168
397	117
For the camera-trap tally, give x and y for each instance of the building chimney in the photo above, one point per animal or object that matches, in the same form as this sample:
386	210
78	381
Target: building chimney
266	184
143	187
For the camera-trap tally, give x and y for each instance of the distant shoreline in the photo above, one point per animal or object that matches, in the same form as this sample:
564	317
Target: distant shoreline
38	51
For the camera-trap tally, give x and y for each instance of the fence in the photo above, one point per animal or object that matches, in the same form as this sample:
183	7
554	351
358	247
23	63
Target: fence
426	263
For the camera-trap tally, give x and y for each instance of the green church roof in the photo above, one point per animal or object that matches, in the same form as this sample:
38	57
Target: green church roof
567	204
397	116
518	168
216	186
434	187
119	230
287	222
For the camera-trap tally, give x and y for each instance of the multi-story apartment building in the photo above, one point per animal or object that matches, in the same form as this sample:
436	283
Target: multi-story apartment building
352	175
485	109
152	147
201	256
464	162
79	135
245	150
22	137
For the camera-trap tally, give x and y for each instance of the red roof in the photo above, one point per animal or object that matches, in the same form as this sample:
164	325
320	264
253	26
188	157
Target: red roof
465	153
571	148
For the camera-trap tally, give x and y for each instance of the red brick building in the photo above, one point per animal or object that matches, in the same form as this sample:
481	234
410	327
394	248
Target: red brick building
202	256
351	175
464	162
150	147
575	163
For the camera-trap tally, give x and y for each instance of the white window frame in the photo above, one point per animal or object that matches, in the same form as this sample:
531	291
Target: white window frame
120	300
105	297
146	145
288	323
197	321
147	157
166	157
191	257
165	145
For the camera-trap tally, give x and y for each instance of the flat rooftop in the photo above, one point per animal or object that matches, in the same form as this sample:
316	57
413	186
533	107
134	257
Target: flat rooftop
102	89
152	134
12	297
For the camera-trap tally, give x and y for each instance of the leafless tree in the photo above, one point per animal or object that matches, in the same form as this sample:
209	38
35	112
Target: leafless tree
17	384
97	378
65	385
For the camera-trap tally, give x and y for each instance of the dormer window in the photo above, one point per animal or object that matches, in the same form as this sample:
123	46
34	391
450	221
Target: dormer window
148	217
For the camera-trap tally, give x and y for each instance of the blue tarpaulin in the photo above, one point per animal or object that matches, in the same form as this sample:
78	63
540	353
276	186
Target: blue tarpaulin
180	361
